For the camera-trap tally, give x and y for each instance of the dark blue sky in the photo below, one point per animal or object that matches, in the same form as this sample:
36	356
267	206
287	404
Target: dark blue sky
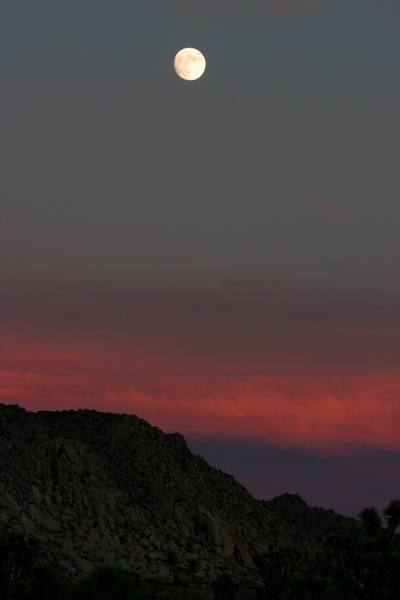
220	257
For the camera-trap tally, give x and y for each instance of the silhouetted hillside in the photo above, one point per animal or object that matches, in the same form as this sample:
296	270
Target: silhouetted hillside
99	487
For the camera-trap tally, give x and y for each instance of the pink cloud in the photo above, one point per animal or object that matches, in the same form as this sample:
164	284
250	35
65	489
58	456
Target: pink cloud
288	363
327	413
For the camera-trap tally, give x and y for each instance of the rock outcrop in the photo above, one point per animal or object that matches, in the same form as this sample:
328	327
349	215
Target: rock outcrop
100	487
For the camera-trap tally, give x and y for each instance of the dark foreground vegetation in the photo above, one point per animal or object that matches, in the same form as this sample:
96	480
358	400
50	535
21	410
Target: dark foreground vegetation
364	568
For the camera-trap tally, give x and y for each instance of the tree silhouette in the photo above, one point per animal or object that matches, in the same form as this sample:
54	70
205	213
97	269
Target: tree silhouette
371	520
392	516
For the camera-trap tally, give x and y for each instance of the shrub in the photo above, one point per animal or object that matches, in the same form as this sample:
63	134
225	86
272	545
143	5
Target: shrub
105	583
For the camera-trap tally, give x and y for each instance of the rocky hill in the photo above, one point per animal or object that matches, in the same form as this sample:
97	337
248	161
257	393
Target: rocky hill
100	487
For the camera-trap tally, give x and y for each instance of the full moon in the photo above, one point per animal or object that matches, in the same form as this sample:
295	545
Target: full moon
189	64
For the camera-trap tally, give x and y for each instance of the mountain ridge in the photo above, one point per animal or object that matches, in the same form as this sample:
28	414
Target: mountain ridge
100	487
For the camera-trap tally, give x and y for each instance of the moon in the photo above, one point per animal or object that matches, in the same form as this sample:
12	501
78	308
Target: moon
189	64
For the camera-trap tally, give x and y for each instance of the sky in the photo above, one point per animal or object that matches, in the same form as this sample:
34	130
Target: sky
220	257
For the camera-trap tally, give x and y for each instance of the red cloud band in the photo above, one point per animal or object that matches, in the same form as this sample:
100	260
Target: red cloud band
325	412
292	364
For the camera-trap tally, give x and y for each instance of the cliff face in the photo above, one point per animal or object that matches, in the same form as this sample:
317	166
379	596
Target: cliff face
100	487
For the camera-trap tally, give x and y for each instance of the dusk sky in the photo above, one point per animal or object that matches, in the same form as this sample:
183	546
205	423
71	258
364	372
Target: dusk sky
220	257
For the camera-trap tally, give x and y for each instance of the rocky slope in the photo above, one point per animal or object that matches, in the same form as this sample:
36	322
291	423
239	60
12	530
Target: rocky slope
100	487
